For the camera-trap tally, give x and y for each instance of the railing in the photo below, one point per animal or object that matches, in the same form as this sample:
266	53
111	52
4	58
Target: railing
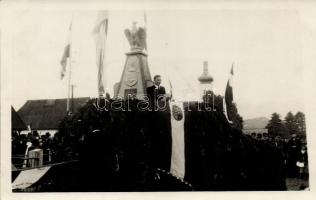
45	165
25	161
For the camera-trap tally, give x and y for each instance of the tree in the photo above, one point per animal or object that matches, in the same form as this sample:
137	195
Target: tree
290	123
299	120
276	127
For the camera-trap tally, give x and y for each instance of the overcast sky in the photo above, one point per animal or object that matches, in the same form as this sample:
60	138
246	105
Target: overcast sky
265	46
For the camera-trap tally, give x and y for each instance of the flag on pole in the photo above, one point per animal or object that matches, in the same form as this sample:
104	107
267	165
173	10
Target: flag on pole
225	111
66	55
171	93
100	34
63	61
177	167
229	98
229	88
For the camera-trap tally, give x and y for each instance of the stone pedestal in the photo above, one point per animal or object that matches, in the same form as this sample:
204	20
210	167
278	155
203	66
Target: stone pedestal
36	158
135	77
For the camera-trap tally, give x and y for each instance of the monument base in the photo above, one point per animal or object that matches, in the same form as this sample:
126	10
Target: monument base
135	77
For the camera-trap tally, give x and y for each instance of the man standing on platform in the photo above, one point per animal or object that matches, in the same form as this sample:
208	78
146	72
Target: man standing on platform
156	92
161	134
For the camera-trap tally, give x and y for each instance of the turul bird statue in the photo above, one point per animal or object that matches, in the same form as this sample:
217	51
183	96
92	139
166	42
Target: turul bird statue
136	37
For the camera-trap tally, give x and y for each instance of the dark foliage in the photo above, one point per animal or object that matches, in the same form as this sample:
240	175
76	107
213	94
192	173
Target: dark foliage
122	150
290	123
300	122
276	127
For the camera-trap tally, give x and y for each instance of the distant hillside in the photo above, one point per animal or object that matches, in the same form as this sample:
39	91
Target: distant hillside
256	123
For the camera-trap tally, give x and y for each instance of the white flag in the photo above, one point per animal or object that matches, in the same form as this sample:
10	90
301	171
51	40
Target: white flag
100	33
177	131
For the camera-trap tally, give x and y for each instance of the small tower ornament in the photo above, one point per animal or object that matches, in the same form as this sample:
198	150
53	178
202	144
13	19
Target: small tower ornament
206	80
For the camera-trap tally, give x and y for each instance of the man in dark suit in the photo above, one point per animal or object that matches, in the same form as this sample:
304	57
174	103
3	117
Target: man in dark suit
160	136
156	92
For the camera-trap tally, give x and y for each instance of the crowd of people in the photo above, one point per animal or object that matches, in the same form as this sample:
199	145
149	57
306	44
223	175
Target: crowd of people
24	143
293	151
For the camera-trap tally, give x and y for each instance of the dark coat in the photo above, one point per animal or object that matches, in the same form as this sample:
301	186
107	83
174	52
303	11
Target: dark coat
155	95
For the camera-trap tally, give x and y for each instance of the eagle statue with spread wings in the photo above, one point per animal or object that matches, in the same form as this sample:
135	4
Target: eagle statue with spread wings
136	37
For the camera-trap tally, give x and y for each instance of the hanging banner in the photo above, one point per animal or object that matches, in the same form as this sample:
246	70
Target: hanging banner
177	129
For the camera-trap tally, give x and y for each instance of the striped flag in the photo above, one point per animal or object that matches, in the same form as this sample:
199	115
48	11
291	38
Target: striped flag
100	33
229	98
225	111
66	55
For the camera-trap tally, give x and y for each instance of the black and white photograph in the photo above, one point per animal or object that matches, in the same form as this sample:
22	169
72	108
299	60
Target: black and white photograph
155	99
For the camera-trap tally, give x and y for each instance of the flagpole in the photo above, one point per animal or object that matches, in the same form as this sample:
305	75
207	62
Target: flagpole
103	63
70	61
100	36
105	85
224	98
72	98
69	86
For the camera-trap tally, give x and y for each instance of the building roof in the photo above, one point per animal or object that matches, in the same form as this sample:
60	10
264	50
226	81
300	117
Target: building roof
48	113
16	122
